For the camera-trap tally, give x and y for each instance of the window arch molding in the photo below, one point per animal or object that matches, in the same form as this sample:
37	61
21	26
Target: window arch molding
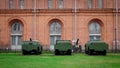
21	20
51	21
16	18
96	20
17	27
57	20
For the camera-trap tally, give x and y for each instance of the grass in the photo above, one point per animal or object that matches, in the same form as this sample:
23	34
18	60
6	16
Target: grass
48	60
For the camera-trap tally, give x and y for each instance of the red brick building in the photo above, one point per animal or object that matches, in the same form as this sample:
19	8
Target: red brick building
49	20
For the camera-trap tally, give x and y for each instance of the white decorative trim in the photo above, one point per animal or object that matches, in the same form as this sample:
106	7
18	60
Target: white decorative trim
55	34
52	47
16	47
16	34
94	34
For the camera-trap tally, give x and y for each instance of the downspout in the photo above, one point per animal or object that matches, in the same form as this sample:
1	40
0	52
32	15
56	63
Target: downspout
34	19
116	27
75	21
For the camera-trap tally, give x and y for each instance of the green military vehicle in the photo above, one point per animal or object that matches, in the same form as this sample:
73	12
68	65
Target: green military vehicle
31	47
96	47
63	47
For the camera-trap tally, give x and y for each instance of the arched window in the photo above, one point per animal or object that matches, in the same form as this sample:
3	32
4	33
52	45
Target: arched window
94	31
16	33
55	32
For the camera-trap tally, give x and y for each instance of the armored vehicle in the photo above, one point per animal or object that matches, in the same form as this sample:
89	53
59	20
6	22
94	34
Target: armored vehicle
31	47
96	47
63	47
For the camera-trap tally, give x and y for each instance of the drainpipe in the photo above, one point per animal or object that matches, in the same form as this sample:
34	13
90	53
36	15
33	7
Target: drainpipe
0	35
34	19
75	21
116	27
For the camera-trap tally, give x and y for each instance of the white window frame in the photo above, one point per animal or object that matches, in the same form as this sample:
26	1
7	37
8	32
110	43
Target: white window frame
55	34
16	38
94	34
55	38
16	35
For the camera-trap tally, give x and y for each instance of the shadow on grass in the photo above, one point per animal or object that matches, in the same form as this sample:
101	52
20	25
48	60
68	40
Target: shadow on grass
51	53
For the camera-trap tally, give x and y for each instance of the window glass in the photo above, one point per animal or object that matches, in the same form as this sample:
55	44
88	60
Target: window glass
100	4
19	40
94	28
60	4
11	4
21	4
52	40
16	28
49	4
55	28
89	4
13	40
58	37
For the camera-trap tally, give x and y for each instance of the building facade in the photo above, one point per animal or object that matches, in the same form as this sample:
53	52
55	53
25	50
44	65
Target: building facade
51	20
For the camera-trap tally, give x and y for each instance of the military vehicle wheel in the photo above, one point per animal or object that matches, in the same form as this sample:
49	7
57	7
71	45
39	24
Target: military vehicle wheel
37	52
104	53
69	52
86	52
56	52
89	52
24	52
40	51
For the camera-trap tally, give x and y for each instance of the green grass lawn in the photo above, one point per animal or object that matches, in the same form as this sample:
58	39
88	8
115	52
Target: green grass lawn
47	60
